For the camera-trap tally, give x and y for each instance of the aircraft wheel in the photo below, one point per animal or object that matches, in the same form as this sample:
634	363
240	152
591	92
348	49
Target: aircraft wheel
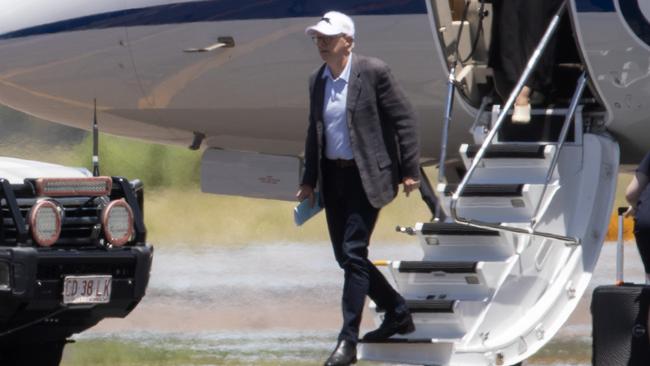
41	354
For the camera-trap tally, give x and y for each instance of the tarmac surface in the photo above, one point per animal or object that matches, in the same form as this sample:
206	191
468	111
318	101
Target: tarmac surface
273	296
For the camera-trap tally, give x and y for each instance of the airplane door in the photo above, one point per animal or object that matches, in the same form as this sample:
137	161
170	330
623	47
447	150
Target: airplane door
63	55
614	37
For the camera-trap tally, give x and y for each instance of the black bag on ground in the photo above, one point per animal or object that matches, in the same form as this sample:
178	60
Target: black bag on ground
620	325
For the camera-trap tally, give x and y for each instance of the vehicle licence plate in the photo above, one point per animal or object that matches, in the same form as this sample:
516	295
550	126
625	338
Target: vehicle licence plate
87	289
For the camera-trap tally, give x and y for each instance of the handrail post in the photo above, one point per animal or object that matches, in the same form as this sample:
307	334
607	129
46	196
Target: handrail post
451	83
582	82
485	101
620	250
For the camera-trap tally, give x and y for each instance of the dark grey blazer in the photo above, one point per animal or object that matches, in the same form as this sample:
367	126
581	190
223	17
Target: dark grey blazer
382	125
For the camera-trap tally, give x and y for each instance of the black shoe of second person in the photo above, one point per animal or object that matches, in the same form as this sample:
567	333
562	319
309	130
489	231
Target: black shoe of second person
392	324
344	354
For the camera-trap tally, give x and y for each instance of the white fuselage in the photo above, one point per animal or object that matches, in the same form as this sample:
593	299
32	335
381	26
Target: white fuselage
249	97
57	57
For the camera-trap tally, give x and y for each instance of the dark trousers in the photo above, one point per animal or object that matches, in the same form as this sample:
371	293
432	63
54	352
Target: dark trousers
350	220
642	236
517	29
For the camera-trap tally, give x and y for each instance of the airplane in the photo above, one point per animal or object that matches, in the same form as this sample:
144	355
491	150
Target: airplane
230	77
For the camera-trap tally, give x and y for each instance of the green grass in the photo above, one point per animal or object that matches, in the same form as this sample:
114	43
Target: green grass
565	351
176	212
175	352
172	352
191	217
101	353
158	166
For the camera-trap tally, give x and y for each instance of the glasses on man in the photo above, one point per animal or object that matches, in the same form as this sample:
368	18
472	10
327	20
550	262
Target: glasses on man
326	40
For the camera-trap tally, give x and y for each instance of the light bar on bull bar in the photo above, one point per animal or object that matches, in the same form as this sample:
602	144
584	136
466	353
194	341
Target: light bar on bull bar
58	187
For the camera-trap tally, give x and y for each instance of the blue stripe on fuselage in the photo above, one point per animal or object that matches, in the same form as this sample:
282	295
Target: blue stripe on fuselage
635	19
629	9
223	10
595	6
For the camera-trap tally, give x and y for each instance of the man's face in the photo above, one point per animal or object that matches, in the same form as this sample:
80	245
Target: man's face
333	48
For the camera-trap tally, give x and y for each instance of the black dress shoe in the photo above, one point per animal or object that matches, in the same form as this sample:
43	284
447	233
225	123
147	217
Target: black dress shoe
345	354
393	324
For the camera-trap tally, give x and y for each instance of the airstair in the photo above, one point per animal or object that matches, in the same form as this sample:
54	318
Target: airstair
484	294
524	230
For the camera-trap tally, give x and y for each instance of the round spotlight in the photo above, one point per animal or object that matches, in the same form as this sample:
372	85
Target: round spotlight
45	222
117	221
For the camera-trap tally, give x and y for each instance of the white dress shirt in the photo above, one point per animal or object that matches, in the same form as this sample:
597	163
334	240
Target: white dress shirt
335	117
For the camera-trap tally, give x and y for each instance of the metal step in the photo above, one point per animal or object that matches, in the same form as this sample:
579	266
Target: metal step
399	341
453	229
506	151
510	163
431	267
544	126
485	190
453	242
511	203
431	306
470	281
437	318
419	351
427	306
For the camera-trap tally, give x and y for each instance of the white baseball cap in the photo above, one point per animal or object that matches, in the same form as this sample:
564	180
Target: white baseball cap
331	24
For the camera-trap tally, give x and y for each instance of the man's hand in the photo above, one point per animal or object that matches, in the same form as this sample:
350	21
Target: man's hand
306	191
410	185
631	211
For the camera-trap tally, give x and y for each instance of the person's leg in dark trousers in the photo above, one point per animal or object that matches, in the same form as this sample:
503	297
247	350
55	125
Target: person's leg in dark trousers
519	26
642	236
351	219
535	17
507	55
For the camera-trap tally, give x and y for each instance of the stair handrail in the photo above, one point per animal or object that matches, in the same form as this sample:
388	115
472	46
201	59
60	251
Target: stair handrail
449	106
573	106
530	67
478	120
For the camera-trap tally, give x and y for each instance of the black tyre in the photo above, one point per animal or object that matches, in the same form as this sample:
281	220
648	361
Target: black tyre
41	354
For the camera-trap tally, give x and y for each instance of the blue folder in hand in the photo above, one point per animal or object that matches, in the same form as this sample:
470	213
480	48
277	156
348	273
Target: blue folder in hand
304	212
